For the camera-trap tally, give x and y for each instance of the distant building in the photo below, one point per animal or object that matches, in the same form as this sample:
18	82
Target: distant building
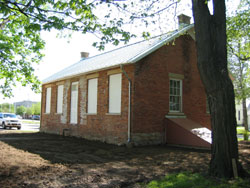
239	114
26	104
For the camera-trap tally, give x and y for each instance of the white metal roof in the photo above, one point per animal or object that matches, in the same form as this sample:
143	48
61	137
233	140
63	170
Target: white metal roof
124	55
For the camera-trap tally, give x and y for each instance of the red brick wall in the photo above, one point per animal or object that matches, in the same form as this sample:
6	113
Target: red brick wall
151	86
102	126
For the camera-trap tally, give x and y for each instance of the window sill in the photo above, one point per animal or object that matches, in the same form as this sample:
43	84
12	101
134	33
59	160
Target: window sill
113	114
91	114
59	113
47	113
175	115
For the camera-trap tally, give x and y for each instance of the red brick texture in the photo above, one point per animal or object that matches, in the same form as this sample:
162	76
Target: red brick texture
149	99
151	87
102	126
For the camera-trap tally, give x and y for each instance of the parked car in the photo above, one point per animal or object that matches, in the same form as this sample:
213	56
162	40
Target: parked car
19	117
36	117
9	120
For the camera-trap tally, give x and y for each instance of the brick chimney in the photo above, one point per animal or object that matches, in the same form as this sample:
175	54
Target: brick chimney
84	55
183	20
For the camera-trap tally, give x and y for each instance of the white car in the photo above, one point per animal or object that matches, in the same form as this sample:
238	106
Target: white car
9	120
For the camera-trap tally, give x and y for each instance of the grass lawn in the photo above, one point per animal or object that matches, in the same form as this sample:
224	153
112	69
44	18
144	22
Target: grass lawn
187	180
241	130
30	122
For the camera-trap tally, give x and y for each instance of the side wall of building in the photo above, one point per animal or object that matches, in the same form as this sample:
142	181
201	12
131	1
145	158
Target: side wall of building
151	88
110	128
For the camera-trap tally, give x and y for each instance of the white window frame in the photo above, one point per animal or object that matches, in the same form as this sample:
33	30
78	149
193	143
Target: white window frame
48	100
74	117
175	95
60	99
115	93
92	95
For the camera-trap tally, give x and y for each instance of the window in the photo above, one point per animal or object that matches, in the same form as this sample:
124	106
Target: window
92	95
175	97
239	115
48	98
115	83
74	103
59	99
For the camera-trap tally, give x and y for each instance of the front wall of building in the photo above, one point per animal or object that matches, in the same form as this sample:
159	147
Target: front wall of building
110	128
152	89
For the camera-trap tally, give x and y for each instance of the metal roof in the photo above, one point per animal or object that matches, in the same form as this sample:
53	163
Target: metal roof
124	55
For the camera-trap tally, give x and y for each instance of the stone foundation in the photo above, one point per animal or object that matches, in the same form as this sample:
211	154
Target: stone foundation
143	139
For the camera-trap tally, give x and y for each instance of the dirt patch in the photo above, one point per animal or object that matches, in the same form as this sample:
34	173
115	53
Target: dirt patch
41	160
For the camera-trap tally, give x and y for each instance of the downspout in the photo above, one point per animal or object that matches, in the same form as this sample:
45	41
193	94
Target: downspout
129	103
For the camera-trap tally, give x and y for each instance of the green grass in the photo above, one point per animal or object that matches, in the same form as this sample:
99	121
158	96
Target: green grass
30	122
189	180
241	130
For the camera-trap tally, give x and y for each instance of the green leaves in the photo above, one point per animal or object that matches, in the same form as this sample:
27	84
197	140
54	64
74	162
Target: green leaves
238	35
21	22
20	45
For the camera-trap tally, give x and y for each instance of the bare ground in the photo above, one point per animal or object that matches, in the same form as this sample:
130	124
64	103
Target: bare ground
34	160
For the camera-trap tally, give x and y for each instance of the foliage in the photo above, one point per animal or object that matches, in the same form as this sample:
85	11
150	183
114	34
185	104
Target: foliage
6	107
36	108
20	46
238	35
29	111
244	132
20	110
21	22
195	180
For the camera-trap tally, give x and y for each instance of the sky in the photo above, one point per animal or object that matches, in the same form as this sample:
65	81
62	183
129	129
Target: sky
63	52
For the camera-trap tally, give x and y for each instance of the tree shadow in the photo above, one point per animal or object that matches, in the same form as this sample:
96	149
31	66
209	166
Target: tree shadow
76	162
71	150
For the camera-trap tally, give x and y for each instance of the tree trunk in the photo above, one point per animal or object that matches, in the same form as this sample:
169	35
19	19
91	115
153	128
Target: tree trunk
245	120
210	32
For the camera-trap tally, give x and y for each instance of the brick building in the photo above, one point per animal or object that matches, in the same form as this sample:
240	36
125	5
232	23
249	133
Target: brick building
145	93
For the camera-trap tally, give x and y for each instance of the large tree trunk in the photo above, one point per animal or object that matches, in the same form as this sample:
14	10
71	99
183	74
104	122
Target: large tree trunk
245	121
210	32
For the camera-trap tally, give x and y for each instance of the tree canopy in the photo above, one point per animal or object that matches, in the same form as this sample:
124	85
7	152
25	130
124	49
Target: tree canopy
21	22
238	35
